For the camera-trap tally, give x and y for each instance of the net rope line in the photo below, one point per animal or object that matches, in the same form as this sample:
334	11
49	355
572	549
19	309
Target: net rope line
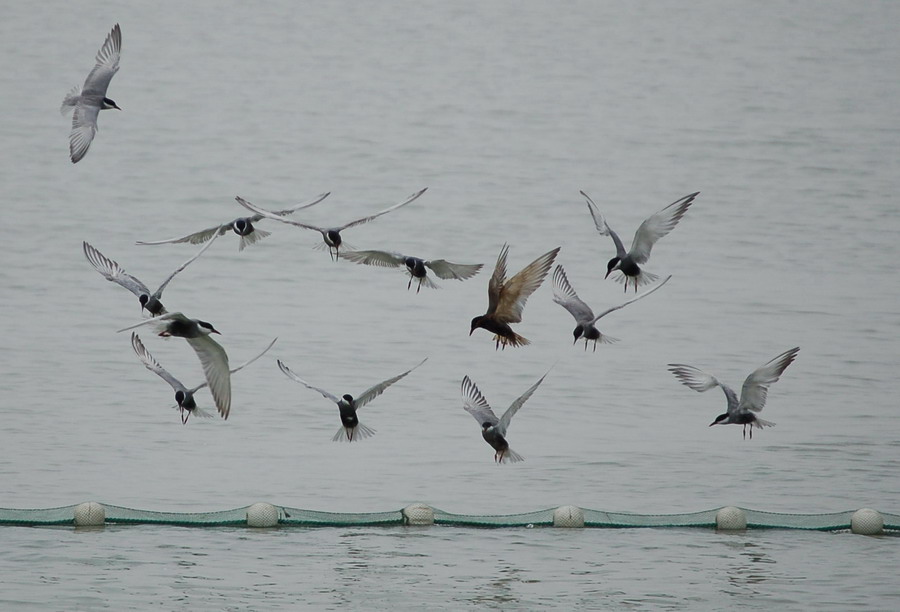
264	514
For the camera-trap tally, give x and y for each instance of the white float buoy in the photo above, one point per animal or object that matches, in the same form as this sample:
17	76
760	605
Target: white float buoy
262	514
568	516
418	514
90	514
731	518
866	521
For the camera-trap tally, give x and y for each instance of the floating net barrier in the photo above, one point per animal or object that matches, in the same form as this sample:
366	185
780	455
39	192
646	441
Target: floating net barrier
864	521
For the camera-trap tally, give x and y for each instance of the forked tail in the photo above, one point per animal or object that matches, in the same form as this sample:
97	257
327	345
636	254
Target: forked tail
511	456
255	236
352	434
760	423
71	100
644	278
515	340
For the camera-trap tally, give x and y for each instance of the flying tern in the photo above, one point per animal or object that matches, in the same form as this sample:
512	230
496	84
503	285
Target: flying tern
650	231
565	296
242	226
506	298
351	429
753	394
184	397
88	100
493	430
416	267
330	235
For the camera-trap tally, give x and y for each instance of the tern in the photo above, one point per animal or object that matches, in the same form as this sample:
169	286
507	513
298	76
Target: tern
212	356
115	273
415	267
506	298
242	226
330	235
753	393
89	99
184	397
351	429
565	296
650	231
493	430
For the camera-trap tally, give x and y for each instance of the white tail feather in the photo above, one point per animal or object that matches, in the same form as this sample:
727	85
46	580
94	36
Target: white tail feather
511	456
71	100
253	237
644	278
425	281
351	434
760	423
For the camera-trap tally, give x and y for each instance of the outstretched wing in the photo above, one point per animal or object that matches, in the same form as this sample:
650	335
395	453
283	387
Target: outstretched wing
382	259
302	205
195	238
107	65
516	291
290	374
84	127
514	407
631	301
698	380
382	212
249	361
152	364
756	386
372	392
112	271
447	270
658	225
183	266
159	322
565	296
498	278
475	404
214	361
270	214
603	227
242	366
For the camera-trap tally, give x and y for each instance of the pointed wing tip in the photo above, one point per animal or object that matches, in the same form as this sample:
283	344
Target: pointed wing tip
790	355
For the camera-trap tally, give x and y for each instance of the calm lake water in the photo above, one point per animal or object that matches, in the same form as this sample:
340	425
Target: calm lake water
783	115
